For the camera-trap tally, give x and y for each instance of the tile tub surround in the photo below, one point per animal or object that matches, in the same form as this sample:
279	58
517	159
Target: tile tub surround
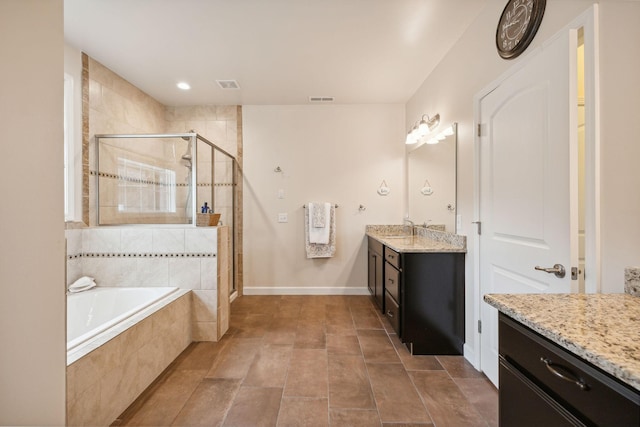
105	381
632	281
182	256
423	239
603	329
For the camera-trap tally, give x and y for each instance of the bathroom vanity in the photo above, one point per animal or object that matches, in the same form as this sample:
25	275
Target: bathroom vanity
568	359
417	281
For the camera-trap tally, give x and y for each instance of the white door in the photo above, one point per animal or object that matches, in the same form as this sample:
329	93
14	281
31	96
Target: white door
525	181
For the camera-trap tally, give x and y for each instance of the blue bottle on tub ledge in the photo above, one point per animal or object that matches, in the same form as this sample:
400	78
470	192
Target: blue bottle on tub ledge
205	208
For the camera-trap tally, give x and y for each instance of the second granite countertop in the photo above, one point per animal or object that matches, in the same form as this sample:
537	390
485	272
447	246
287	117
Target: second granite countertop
416	239
603	329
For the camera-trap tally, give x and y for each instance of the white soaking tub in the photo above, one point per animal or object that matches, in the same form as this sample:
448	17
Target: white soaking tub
92	312
119	341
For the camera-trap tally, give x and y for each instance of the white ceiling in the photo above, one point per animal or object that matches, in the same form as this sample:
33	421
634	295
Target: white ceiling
279	51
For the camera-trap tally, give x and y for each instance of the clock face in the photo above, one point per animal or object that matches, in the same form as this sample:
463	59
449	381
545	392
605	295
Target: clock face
517	26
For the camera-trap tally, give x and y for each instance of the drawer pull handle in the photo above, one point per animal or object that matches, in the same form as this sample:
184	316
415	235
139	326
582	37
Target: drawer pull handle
390	313
563	373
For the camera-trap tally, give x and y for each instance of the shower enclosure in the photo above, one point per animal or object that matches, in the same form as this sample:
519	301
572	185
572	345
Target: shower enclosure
163	179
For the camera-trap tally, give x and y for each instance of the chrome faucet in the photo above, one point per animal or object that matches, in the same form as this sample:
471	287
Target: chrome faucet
411	223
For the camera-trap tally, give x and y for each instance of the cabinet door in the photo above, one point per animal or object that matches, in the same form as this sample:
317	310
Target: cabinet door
371	283
523	404
379	282
432	302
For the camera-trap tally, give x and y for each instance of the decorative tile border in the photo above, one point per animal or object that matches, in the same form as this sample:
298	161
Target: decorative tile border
141	255
150	182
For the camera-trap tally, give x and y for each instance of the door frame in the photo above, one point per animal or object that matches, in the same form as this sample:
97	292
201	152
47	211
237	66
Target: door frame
588	20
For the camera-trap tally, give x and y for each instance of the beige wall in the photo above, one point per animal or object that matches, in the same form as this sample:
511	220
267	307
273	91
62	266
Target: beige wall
473	64
334	153
620	130
32	307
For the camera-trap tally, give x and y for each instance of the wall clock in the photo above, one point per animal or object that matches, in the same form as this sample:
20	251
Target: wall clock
517	26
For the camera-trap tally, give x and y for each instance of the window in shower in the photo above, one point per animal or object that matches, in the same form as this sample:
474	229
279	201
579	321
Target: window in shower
144	188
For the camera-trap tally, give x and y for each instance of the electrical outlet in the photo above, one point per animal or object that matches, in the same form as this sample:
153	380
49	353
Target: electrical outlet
458	223
281	194
283	217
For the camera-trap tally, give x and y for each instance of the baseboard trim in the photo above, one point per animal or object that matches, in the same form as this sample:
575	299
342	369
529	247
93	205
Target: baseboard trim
470	355
284	290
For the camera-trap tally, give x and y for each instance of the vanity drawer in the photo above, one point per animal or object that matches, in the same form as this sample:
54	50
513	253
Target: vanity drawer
392	281
589	393
392	257
392	312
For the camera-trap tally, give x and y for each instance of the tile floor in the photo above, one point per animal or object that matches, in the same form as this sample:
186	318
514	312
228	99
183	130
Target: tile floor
313	361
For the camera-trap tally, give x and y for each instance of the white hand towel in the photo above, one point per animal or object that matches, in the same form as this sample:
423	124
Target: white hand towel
318	214
319	235
319	250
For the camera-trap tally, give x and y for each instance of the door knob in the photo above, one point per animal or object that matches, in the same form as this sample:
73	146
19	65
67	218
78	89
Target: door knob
557	269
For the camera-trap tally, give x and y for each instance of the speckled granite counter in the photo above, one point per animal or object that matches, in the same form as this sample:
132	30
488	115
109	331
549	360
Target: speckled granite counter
603	329
422	240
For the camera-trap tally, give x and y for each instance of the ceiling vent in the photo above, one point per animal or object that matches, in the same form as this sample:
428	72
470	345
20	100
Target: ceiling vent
321	99
228	84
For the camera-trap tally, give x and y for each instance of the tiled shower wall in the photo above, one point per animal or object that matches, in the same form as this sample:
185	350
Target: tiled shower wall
151	256
112	105
118	107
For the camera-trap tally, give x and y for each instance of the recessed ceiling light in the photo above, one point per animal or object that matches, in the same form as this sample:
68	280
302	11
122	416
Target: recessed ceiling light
184	86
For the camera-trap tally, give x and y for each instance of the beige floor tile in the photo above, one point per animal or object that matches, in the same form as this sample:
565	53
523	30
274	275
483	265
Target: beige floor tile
307	375
169	396
349	385
343	345
269	367
483	395
235	359
414	363
459	367
354	418
303	412
377	347
396	398
300	360
444	401
255	407
209	403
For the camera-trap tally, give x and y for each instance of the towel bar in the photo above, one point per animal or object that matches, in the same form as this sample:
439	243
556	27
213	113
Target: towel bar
305	206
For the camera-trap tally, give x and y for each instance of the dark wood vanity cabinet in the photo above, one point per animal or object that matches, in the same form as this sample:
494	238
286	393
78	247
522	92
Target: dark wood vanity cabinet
422	297
432	302
542	384
375	278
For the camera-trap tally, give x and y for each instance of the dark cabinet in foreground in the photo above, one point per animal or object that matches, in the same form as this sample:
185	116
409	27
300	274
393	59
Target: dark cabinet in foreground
423	297
542	384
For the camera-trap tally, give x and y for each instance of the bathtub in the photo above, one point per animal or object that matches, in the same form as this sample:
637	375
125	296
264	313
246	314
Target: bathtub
119	340
92	312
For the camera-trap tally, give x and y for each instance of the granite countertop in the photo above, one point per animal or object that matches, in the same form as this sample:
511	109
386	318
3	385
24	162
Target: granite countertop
420	240
603	329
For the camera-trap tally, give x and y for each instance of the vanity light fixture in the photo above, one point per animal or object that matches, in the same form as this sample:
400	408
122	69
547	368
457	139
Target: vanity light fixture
422	128
441	136
184	86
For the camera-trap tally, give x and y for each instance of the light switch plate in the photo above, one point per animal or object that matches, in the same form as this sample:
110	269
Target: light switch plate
283	217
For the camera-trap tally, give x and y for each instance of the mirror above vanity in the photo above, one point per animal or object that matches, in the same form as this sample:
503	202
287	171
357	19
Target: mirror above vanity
431	180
